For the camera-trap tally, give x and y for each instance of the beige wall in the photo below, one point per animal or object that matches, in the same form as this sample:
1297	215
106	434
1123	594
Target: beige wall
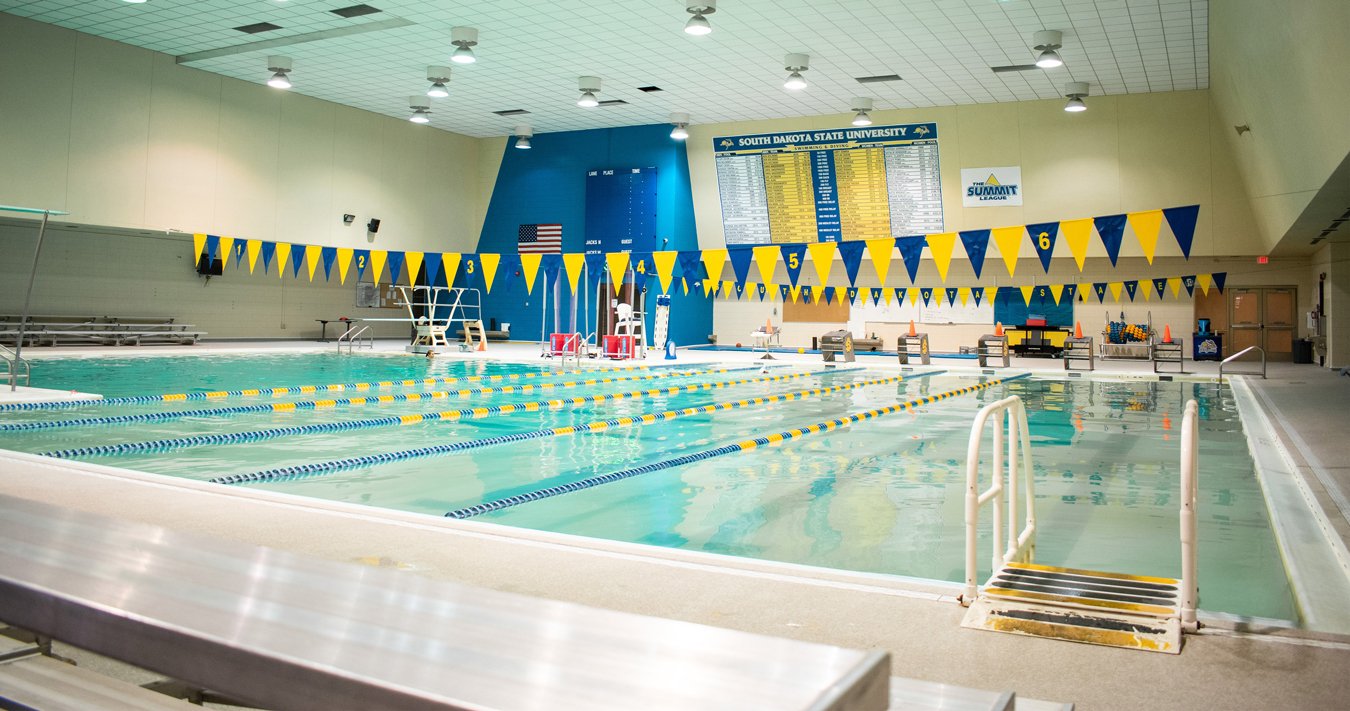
1280	68
123	137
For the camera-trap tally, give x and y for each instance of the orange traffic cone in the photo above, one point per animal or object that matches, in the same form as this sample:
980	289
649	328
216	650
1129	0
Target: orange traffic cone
998	328
768	325
1078	329
1167	334
911	327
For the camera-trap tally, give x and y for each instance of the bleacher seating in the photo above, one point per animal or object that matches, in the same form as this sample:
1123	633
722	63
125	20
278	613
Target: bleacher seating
97	330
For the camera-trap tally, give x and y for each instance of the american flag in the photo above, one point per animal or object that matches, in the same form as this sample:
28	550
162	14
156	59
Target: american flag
539	239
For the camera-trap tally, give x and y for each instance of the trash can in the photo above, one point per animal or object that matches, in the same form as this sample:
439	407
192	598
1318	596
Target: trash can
1303	350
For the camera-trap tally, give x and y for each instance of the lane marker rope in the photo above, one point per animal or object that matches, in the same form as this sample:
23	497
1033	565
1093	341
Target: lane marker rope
302	389
587	483
393	421
320	468
345	402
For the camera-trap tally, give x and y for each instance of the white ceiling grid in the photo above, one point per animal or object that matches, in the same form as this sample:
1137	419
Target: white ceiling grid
532	51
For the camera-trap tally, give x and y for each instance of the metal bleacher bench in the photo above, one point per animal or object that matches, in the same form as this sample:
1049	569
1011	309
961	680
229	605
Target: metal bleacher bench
215	614
98	330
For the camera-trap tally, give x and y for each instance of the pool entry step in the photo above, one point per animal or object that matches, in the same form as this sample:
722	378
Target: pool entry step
1110	609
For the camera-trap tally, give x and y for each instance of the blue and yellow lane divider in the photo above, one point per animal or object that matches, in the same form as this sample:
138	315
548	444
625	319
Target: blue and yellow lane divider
590	482
320	468
301	389
349	401
468	413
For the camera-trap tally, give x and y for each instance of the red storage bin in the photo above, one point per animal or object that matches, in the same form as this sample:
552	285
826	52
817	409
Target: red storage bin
564	344
618	347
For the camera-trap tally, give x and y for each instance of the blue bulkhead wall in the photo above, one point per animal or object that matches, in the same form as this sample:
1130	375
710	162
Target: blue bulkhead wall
547	184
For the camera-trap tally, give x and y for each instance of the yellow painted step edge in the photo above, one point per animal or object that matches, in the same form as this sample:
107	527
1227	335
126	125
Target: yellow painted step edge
1156	610
1094	573
1109	638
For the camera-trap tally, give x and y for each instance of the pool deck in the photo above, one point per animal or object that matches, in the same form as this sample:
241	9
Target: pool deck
917	621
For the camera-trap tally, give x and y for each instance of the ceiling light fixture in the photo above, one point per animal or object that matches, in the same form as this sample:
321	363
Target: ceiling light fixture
862	105
796	63
439	77
464	39
589	86
280	67
1075	90
681	122
698	24
1047	41
134	2
421	109
523	134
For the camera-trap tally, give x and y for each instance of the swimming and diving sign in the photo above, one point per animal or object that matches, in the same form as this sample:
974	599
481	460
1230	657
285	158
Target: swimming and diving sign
831	185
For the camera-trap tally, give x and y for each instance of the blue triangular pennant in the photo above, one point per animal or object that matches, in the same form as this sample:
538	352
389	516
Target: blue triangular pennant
297	260
740	289
784	292
269	250
852	293
595	268
1070	291
741	257
927	294
1219	279
951	295
978	293
212	247
1189	283
329	255
976	243
691	265
1131	287
1182	222
1111	228
361	258
551	264
1043	236
900	294
1099	288
508	270
761	290
794	257
1160	286
433	262
851	253
395	262
642	266
876	297
911	250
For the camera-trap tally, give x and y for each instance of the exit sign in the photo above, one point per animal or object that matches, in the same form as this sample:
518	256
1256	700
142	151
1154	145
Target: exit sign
1263	259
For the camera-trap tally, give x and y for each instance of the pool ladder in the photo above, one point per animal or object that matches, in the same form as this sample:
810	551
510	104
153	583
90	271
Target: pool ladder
1021	597
16	370
359	338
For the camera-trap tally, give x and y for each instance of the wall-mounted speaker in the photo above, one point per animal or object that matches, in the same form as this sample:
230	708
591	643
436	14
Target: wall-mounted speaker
373	226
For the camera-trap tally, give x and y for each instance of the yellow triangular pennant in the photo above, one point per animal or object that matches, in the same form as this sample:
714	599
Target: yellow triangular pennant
573	264
226	246
618	266
887	294
254	248
989	293
941	245
665	267
963	294
685	284
344	262
377	258
1116	287
414	262
1145	286
880	251
708	287
312	252
198	246
1026	294
1146	225
1203	281
489	262
1077	233
529	268
796	291
715	260
283	253
822	255
1009	241
767	259
914	296
449	265
1175	285
1057	291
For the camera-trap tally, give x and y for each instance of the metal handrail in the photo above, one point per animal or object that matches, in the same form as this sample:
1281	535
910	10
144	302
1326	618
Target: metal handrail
1241	353
352	338
1190	487
13	360
1021	544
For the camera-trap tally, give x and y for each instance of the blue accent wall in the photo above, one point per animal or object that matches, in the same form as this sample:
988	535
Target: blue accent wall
547	184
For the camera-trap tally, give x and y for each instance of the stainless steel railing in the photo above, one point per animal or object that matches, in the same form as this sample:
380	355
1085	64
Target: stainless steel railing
1241	353
359	338
13	363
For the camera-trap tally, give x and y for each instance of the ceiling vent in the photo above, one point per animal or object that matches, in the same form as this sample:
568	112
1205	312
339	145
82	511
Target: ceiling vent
1014	68
612	102
649	89
355	11
511	112
257	27
877	79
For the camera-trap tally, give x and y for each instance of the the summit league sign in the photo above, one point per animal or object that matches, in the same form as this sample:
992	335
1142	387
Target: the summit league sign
991	187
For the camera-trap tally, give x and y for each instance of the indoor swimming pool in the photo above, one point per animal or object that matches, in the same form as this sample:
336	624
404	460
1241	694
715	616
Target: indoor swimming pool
523	445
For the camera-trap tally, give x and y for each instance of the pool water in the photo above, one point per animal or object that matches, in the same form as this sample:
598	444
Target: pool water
883	495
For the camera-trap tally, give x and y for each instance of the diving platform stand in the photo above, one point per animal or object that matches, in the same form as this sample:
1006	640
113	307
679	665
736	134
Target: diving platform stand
1021	597
434	311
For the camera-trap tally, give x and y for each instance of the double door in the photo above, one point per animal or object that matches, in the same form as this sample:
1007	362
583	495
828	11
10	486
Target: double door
1263	317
